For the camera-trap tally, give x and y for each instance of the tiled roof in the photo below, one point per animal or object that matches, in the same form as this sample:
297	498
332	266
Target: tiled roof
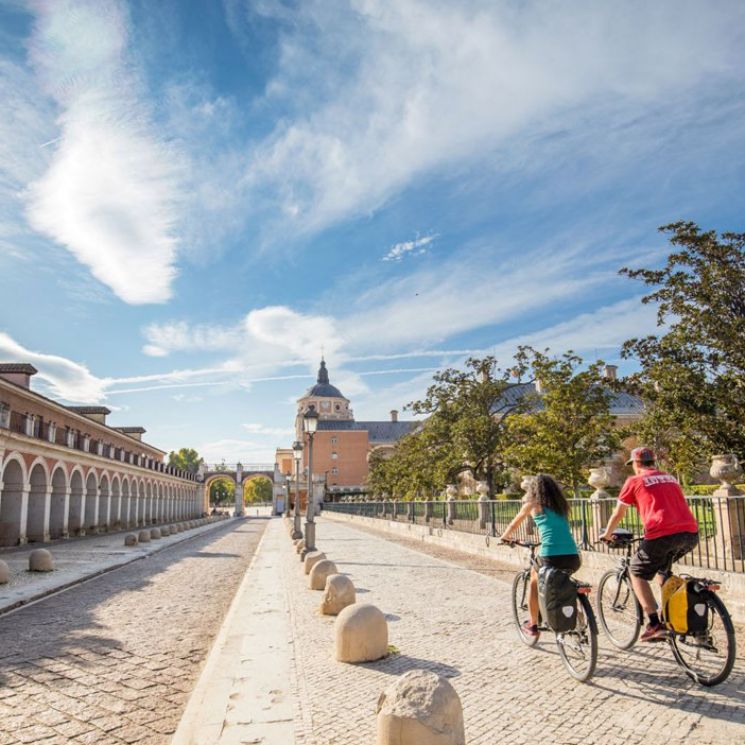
384	431
620	403
17	367
90	410
131	430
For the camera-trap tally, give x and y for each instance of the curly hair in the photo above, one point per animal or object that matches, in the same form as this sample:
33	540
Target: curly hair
544	490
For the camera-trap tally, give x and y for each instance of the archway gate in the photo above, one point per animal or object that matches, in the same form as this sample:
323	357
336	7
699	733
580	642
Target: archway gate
239	474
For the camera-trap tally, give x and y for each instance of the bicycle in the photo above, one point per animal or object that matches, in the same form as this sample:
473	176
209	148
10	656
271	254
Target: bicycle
707	657
578	648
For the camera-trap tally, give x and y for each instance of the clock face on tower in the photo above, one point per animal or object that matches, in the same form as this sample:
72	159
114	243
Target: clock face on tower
325	406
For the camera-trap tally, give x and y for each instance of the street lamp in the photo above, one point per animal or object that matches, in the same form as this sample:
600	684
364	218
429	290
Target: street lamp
310	425
297	454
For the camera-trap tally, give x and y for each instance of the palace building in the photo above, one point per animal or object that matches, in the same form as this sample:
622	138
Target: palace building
341	446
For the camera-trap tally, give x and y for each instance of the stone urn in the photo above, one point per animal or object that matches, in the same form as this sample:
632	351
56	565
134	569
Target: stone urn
726	469
451	492
483	491
599	479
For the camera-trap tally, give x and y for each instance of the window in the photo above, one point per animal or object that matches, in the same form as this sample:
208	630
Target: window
337	407
325	405
333	440
334	455
334	471
4	415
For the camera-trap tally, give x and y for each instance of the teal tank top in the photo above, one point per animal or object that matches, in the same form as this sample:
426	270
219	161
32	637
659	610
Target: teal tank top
556	536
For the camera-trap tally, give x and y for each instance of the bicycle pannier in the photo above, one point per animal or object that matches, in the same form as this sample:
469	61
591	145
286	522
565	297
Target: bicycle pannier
683	609
557	598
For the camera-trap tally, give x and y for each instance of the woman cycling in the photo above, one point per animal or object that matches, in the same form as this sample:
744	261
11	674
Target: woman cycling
548	506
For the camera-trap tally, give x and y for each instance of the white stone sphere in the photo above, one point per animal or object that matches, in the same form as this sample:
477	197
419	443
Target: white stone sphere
130	539
337	595
144	536
40	560
320	571
361	633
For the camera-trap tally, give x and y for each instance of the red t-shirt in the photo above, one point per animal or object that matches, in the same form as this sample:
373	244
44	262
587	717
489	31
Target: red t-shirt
661	503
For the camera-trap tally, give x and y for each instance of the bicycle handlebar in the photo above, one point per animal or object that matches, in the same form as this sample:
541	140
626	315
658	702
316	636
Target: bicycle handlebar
512	542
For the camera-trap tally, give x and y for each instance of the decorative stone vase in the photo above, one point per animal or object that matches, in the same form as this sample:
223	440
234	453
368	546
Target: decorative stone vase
726	469
599	479
451	491
483	491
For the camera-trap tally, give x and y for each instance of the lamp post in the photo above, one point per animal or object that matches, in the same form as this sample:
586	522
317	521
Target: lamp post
310	424
297	454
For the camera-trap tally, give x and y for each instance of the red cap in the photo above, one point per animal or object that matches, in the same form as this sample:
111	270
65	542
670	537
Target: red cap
643	455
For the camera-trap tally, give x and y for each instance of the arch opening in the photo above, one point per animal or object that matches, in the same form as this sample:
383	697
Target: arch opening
11	504
77	504
59	505
37	523
91	504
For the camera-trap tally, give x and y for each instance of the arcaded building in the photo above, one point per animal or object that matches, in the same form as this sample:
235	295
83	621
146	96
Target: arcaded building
342	446
64	471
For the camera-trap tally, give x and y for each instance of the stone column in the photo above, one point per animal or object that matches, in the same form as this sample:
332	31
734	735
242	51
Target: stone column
47	511
483	490
66	515
728	503
451	491
601	503
239	490
23	522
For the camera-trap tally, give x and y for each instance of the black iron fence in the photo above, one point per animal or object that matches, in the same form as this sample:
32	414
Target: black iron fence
721	522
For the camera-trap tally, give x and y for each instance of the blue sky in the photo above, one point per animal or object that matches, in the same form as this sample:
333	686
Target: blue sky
196	197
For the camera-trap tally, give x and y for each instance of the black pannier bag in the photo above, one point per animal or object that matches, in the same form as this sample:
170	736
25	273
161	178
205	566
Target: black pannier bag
557	598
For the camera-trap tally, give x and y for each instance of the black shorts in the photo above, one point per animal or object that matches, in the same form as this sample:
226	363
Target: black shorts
569	563
658	554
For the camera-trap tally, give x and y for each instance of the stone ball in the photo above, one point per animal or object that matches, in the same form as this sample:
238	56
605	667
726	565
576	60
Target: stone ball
130	539
299	545
4	573
165	531
144	536
155	532
40	560
361	633
420	708
311	559
337	595
320	571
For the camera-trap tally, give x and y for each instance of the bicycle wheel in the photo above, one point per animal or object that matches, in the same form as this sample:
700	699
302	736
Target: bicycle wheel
708	658
520	594
579	648
619	610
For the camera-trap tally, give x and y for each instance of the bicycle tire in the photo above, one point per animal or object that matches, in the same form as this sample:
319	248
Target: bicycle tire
520	591
680	645
583	642
618	610
578	649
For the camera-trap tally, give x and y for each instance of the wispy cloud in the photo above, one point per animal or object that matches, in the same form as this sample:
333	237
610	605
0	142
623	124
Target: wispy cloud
112	192
417	247
64	378
424	85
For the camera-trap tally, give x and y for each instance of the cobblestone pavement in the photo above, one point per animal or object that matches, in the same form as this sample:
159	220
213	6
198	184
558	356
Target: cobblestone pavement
447	618
113	660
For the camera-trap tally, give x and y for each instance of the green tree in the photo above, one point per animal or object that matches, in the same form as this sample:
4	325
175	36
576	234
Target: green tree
466	420
692	375
222	490
258	489
569	427
187	459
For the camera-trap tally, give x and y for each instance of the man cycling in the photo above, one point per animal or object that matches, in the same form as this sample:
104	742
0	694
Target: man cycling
670	530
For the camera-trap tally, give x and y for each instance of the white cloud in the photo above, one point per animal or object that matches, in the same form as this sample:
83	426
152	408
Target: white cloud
261	429
66	379
111	194
417	246
382	93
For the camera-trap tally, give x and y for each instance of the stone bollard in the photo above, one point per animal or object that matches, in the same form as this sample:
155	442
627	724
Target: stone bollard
40	560
420	708
130	539
300	545
319	573
337	595
165	531
4	573
155	533
144	536
361	634
311	559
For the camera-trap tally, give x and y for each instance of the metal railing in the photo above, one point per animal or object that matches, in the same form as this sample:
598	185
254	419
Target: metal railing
721	523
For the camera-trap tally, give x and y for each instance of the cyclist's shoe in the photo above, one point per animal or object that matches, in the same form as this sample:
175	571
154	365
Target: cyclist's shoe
530	629
654	633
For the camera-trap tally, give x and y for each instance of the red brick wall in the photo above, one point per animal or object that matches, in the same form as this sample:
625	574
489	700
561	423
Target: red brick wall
351	448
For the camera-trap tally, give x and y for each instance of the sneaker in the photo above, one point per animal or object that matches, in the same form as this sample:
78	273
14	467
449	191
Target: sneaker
654	633
530	629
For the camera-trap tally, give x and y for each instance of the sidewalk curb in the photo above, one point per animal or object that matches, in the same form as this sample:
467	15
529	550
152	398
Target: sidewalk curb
193	711
11	607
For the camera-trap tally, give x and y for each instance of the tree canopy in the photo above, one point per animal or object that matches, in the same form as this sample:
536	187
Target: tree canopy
692	372
222	490
258	489
187	459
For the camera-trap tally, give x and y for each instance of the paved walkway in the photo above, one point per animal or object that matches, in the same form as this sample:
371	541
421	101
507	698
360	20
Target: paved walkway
113	661
446	618
77	559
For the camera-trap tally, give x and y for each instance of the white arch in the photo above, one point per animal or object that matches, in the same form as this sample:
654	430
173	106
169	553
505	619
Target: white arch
37	503
13	501
39	461
18	458
59	506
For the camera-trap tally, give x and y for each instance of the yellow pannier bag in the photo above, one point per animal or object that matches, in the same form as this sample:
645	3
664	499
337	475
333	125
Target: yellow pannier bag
683	609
